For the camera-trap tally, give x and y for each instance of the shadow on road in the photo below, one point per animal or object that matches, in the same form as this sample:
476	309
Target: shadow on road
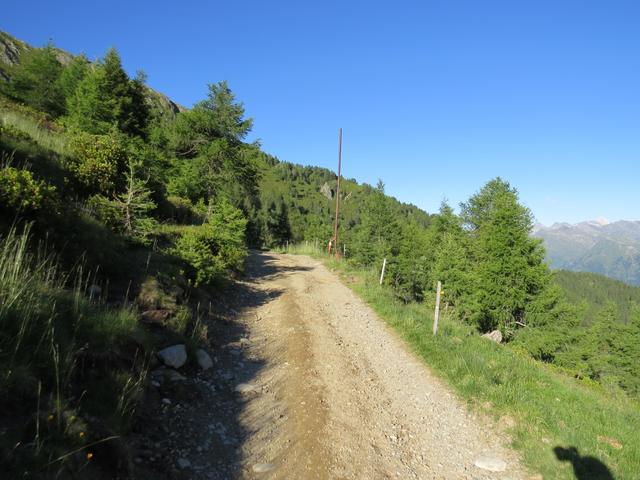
193	426
261	264
584	467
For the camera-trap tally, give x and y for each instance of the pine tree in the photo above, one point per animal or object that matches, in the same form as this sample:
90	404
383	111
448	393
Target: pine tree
106	98
90	109
135	205
510	266
35	80
72	75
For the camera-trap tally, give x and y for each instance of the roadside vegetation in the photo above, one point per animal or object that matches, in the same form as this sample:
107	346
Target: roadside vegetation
545	412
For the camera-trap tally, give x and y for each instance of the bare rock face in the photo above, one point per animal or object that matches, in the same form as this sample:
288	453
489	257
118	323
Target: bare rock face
174	356
327	191
10	50
495	336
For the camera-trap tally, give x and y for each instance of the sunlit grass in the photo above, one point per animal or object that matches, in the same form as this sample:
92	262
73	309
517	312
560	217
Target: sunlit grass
35	130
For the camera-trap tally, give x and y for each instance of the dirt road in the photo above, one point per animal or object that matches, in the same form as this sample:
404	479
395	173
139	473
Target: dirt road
311	384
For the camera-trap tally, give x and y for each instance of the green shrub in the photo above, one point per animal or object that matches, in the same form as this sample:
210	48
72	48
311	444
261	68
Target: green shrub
104	210
181	210
216	246
196	249
98	162
20	192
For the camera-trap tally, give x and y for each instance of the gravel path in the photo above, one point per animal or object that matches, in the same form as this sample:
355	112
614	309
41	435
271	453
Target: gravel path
313	384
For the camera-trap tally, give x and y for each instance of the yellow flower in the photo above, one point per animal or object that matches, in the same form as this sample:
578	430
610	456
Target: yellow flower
89	456
50	418
81	434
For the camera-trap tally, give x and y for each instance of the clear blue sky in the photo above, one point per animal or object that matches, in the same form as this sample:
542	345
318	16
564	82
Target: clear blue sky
435	97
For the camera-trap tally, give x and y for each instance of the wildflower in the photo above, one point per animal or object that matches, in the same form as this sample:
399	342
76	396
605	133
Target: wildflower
50	418
89	456
81	434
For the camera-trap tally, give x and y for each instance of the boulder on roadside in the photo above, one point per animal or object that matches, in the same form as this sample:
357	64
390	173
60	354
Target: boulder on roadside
495	336
203	359
174	356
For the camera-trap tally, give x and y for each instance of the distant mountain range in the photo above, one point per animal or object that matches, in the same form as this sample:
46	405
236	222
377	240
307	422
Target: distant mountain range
611	249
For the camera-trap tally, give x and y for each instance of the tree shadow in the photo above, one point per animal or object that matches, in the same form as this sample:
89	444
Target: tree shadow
585	467
262	264
203	423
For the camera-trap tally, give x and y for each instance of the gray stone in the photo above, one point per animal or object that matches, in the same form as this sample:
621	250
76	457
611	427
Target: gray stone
495	336
174	356
184	463
204	360
490	463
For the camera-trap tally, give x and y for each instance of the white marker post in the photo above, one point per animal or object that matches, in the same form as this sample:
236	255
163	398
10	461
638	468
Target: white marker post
436	314
384	265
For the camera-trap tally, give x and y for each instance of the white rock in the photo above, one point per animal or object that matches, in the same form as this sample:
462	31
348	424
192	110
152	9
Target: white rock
204	360
491	463
495	336
245	388
174	356
263	467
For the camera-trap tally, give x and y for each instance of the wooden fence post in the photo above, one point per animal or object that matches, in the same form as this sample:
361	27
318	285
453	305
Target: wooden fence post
384	265
436	314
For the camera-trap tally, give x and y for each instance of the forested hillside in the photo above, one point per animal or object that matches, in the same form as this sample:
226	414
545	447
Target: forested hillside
123	213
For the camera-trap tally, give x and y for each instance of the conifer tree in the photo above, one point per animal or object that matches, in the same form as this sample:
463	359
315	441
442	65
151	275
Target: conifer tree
72	75
510	266
35	80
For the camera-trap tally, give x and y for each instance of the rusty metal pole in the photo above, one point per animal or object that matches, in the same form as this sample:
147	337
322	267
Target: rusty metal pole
335	227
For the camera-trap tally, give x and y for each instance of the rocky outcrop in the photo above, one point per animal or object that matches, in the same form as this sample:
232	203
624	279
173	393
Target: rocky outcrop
10	49
495	336
327	191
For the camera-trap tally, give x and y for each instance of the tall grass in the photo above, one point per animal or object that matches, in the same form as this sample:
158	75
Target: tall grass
546	413
35	129
51	335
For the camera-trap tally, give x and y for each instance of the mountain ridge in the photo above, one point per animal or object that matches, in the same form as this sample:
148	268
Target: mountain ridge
609	248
